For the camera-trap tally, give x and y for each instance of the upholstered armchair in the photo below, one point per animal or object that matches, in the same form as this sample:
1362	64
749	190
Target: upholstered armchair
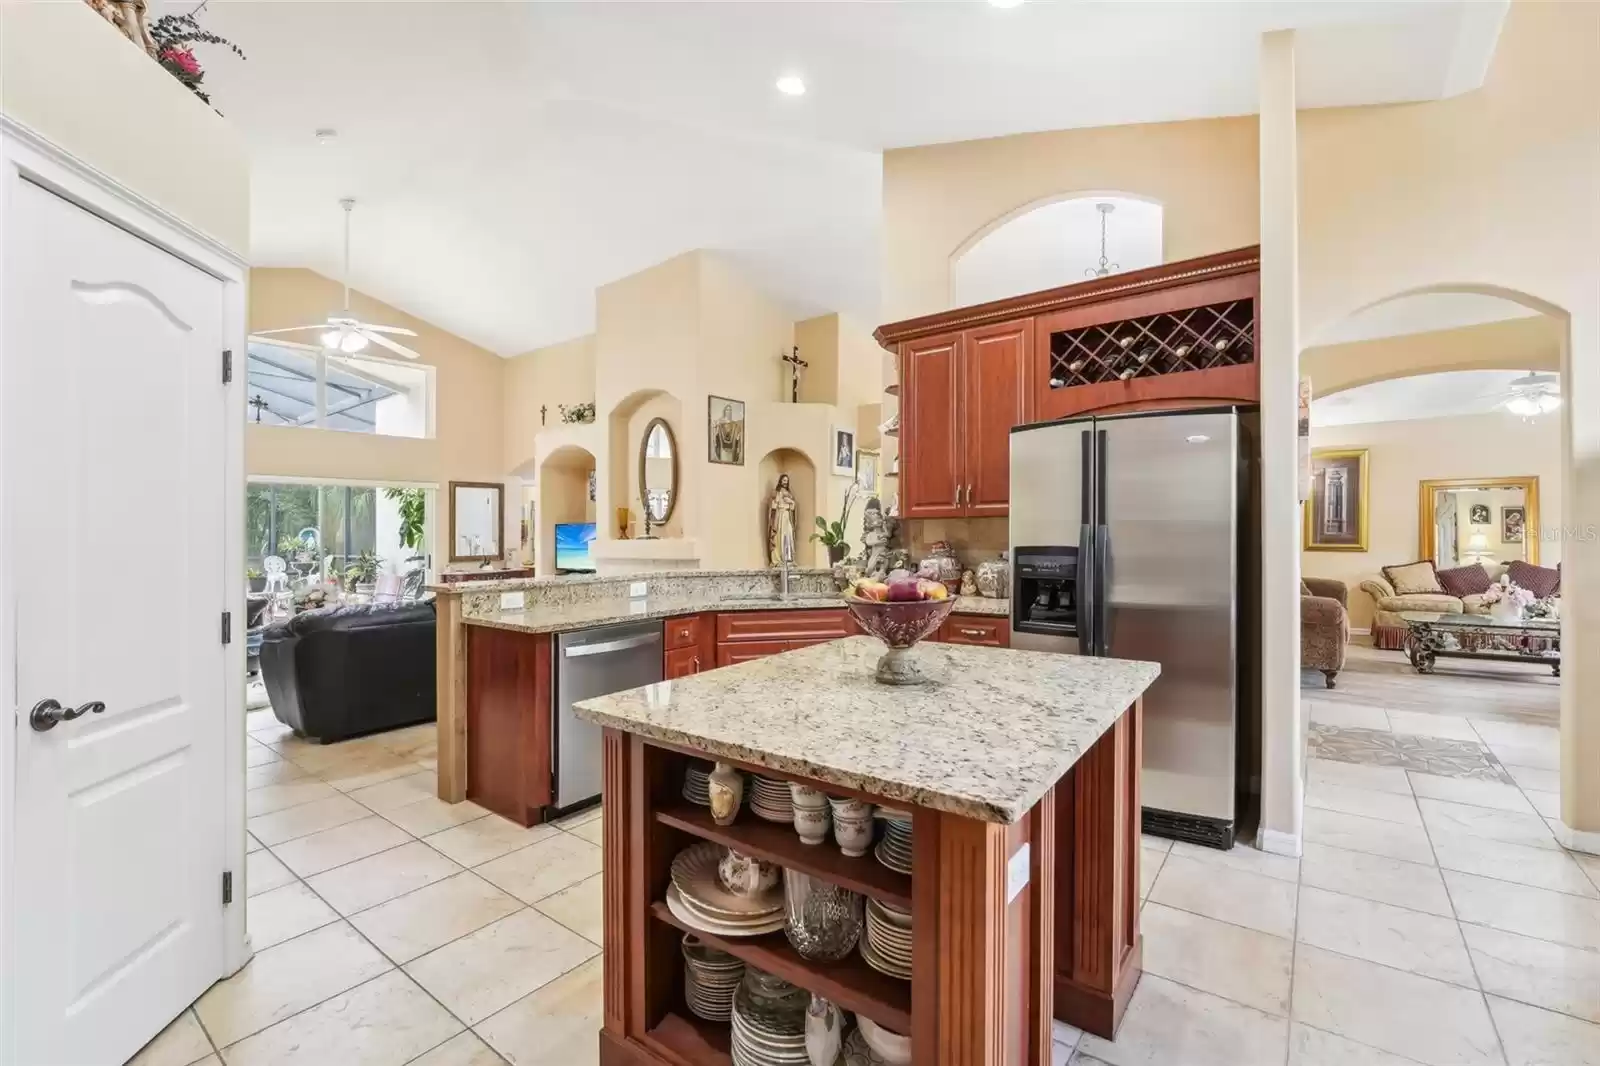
1324	626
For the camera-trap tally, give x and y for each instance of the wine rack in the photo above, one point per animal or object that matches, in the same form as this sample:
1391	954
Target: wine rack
1173	342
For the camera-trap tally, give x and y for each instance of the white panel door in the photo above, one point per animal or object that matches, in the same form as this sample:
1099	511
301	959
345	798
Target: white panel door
115	422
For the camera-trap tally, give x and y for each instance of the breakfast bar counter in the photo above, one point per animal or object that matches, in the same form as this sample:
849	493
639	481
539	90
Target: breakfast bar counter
1013	780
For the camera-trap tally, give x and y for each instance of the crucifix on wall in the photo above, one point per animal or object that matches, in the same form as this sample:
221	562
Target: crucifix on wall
542	410
796	364
259	404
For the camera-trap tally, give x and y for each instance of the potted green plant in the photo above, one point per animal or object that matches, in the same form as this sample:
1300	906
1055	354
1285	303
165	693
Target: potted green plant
832	533
362	575
258	580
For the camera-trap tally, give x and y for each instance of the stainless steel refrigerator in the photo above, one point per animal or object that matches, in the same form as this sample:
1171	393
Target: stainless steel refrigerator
1132	537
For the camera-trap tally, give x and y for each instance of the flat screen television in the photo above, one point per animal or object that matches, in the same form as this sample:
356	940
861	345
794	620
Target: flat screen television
572	546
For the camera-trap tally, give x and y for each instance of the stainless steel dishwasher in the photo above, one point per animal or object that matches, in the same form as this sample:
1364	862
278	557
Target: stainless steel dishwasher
589	663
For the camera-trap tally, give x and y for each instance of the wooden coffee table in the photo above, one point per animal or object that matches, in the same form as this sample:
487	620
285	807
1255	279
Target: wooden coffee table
1481	636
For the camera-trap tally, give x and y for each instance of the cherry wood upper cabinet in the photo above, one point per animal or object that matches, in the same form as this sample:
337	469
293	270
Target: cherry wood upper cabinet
931	428
1178	335
996	362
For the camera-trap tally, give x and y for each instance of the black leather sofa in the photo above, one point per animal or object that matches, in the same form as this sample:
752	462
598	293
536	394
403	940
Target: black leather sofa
338	672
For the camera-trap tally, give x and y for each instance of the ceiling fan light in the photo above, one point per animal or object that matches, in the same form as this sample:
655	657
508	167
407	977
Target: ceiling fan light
1548	402
1524	406
352	342
330	339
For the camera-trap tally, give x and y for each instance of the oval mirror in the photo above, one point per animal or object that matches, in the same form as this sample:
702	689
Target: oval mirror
658	471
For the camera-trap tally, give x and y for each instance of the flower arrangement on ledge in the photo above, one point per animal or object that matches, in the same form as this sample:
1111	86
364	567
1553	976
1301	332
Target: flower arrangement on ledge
175	37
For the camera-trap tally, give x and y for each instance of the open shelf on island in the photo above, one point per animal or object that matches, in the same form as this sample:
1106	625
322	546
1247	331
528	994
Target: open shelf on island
694	1039
779	843
850	982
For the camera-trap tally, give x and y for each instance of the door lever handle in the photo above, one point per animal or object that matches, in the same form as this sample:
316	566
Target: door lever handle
46	713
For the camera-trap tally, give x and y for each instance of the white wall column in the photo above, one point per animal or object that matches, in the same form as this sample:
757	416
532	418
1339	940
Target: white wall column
1283	740
1579	827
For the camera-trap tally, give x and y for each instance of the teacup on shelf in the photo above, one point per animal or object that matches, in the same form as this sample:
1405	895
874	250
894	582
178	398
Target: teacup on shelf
812	823
744	875
846	807
854	833
806	796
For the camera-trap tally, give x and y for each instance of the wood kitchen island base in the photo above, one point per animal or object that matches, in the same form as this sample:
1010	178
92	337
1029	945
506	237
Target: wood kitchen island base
1005	938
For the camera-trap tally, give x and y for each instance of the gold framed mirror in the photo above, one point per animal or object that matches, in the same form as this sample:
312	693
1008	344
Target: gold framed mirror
1478	520
658	471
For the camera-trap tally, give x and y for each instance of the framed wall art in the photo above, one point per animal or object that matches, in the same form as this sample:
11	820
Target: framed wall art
1336	513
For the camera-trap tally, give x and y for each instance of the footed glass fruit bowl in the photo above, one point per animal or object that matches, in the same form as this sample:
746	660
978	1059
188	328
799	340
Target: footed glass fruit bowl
899	624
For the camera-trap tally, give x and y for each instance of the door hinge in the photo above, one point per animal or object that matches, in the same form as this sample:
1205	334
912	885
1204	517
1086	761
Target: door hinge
227	627
227	365
227	886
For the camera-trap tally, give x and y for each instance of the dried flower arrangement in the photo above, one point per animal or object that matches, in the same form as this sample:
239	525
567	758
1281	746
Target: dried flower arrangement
175	37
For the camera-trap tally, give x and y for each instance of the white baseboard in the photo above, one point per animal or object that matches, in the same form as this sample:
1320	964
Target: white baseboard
1575	839
1278	843
1361	632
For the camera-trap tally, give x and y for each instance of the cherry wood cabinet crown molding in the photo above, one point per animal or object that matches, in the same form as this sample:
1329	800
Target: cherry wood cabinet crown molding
1133	283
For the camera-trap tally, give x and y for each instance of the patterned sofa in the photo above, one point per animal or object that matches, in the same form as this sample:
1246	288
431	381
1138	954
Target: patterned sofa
1389	629
1324	625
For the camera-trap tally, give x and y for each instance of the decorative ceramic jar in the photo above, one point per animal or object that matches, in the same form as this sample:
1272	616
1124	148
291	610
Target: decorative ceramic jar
824	1032
726	786
744	875
994	578
942	565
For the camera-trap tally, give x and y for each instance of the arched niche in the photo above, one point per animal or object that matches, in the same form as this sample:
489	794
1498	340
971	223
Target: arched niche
626	425
563	496
803	483
1055	242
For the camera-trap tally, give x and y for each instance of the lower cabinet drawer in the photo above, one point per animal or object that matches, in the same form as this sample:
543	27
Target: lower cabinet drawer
970	629
820	624
681	662
744	650
682	632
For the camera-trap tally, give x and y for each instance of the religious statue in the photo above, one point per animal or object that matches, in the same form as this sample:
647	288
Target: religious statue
780	524
874	540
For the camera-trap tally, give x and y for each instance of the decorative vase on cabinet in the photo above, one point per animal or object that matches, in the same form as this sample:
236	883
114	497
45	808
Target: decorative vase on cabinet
994	578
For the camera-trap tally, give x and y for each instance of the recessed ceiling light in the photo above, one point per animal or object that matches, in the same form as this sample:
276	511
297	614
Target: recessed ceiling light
791	85
325	135
1005	3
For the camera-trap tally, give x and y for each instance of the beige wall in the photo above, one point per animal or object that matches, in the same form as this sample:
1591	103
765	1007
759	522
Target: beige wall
546	377
1532	343
939	198
1403	454
148	133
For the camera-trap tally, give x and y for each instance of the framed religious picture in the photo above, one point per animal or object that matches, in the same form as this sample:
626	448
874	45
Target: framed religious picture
867	470
1336	513
1513	524
725	430
844	451
1478	515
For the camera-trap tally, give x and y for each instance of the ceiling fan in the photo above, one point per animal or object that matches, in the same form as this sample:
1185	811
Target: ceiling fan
343	332
1533	395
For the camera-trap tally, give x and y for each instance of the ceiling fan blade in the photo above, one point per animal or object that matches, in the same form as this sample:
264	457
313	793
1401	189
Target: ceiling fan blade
286	329
389	344
398	330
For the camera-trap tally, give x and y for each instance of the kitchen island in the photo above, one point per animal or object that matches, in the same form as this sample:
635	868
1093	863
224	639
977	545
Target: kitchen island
1020	772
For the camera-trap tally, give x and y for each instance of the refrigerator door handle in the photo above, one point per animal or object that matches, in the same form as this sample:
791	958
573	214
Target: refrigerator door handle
1086	556
1102	598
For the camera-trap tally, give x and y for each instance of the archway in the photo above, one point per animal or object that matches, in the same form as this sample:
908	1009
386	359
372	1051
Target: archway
803	483
565	497
1056	242
625	430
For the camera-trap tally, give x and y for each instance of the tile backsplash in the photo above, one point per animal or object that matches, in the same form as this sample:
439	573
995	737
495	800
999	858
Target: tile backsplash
974	539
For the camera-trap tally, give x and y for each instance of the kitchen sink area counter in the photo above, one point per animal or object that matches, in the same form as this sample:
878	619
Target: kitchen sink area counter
1014	778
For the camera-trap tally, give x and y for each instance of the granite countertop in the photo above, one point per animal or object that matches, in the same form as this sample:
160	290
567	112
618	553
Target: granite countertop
986	739
560	618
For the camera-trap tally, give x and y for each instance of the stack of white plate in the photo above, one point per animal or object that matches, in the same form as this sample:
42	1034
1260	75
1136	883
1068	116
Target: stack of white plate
894	850
697	784
770	799
710	978
769	1032
698	898
887	945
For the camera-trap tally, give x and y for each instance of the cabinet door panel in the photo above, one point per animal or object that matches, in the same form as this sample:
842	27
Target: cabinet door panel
974	629
682	662
742	651
823	623
930	427
995	365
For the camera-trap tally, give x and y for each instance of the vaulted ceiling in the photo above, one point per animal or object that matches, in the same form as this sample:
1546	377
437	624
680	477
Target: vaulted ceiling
508	158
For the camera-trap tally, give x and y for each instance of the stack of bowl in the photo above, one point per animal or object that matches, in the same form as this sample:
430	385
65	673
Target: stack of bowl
894	850
811	818
892	1048
887	945
710	978
852	825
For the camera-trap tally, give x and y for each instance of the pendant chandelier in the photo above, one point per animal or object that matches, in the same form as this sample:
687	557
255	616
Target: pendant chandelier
1106	266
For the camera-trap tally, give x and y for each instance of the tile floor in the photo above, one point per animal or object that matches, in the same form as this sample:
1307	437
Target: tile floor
1433	919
